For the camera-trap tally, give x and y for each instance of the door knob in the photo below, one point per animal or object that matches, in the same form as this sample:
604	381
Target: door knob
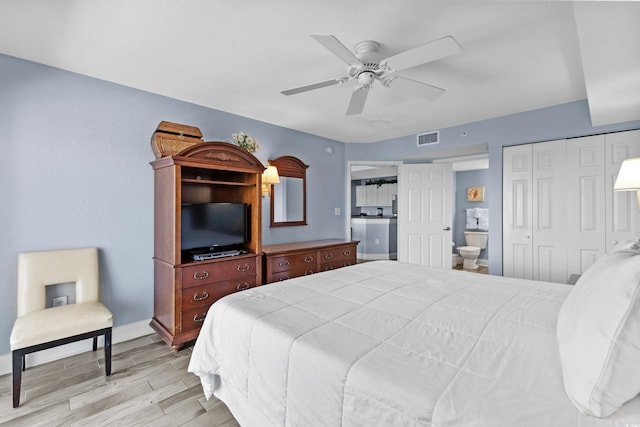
447	228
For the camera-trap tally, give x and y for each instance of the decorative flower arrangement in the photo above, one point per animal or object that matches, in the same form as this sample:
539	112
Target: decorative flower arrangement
245	141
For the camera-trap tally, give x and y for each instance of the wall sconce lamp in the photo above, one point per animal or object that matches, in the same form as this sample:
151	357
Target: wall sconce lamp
629	177
269	176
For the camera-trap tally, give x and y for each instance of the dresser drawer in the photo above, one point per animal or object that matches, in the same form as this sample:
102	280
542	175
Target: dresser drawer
196	296
301	261
342	253
192	319
284	275
335	264
202	274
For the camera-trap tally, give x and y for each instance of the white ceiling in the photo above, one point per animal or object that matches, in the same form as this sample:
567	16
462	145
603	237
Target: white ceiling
237	56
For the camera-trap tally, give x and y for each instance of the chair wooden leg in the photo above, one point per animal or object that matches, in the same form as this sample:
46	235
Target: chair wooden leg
107	352
95	343
18	358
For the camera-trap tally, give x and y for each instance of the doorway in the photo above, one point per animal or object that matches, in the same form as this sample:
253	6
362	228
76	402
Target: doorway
475	159
467	172
371	204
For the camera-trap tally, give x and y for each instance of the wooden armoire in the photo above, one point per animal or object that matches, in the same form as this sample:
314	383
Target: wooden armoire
185	289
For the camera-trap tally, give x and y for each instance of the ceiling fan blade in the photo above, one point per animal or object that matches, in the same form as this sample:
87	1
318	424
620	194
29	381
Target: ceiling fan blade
337	48
358	98
415	88
429	52
314	86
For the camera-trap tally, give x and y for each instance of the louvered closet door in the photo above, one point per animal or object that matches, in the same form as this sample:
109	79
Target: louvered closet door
549	238
585	202
517	212
623	216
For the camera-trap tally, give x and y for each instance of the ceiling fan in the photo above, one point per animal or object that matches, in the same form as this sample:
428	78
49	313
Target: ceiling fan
366	66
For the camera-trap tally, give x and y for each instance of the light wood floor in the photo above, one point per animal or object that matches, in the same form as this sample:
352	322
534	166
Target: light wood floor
149	385
482	269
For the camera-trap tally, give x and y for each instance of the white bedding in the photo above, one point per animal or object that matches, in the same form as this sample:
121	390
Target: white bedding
389	344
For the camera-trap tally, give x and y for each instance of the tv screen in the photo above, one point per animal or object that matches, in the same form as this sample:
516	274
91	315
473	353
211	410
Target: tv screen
211	226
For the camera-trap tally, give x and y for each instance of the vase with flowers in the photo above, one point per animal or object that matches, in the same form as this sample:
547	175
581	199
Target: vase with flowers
245	142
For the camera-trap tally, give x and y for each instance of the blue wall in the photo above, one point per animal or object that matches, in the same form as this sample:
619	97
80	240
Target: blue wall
464	180
547	124
75	172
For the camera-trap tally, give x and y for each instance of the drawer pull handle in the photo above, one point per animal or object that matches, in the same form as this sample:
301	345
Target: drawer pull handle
200	276
284	278
329	255
308	259
284	263
308	272
242	287
243	267
328	268
346	253
199	319
204	296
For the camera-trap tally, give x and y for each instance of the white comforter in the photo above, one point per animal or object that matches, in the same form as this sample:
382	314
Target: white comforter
389	344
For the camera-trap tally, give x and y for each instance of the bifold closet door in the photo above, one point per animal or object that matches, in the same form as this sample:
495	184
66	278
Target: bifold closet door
623	216
517	212
534	212
585	202
549	238
560	213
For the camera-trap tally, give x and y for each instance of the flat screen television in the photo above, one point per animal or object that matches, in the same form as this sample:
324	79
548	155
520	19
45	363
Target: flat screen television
208	227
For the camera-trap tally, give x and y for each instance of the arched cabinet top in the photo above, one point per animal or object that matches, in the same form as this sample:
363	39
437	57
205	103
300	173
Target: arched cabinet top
218	154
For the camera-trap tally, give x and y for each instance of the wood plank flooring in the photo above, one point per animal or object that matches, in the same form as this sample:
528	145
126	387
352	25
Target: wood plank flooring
482	269
149	385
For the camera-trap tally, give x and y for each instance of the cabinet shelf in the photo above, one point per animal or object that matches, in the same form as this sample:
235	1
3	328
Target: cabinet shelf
210	182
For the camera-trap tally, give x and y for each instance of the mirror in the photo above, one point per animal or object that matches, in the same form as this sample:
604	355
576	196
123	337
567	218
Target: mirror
289	198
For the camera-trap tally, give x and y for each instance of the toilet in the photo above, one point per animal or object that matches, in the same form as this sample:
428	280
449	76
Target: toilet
475	240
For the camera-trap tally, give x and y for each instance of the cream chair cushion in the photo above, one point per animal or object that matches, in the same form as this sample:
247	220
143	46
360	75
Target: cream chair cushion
59	322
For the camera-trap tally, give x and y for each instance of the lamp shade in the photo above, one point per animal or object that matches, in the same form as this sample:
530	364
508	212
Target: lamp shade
270	175
628	176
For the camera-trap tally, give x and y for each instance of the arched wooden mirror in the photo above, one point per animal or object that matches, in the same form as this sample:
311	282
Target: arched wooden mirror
289	197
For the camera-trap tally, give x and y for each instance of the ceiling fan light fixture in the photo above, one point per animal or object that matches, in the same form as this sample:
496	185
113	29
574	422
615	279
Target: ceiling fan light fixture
366	78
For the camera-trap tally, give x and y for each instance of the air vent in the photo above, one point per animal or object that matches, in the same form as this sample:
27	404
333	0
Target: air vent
428	138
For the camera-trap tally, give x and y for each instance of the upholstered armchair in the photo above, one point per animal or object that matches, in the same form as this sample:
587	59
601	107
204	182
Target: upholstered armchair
38	328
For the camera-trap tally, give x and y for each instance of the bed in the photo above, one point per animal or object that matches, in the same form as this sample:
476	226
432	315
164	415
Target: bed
387	343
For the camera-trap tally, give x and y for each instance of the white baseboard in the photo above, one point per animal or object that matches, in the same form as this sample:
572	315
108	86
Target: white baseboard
119	334
376	257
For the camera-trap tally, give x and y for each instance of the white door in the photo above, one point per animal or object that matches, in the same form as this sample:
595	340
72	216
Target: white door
424	214
585	202
549	242
517	212
623	216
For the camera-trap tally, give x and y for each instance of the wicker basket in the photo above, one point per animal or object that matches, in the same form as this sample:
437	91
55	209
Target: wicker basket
171	138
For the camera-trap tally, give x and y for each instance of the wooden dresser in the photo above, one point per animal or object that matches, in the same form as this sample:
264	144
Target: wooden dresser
289	260
209	172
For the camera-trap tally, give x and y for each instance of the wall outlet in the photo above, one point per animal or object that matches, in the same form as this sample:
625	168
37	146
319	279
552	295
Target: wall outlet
58	301
377	241
336	211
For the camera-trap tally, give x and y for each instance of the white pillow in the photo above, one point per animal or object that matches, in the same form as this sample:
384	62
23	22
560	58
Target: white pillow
599	334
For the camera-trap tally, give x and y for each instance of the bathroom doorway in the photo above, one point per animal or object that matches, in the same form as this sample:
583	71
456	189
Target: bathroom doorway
470	173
